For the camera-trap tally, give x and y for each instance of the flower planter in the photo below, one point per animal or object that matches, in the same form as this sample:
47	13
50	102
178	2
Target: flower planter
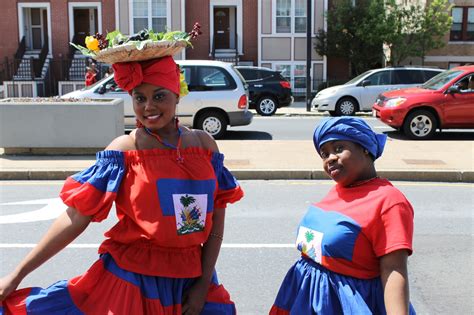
59	126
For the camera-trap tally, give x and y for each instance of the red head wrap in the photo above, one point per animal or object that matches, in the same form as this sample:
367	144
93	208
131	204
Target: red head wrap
162	72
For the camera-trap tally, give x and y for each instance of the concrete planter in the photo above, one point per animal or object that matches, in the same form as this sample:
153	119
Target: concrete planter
54	126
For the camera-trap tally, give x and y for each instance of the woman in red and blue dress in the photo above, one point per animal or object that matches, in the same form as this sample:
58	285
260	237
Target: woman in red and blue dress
170	190
354	243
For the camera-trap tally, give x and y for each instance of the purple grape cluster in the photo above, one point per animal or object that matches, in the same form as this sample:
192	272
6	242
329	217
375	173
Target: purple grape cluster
103	42
196	31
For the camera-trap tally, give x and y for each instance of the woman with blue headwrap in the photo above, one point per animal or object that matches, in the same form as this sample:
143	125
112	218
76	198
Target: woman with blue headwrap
355	242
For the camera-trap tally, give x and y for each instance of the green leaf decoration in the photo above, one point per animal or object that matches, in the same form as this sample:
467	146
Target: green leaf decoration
84	50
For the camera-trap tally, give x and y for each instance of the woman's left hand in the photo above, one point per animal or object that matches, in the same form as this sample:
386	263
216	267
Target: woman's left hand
194	298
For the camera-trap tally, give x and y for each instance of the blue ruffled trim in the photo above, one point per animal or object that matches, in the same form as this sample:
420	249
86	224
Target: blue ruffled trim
54	300
225	178
107	172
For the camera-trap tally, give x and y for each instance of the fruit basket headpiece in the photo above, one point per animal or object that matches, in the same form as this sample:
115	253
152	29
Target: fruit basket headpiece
116	47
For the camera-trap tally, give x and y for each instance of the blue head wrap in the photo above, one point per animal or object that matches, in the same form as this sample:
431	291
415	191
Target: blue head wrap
349	129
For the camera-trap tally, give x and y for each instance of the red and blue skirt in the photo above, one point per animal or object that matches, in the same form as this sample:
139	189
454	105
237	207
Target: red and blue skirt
108	289
309	288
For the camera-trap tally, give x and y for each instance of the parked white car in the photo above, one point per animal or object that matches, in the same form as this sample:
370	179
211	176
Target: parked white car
360	93
218	97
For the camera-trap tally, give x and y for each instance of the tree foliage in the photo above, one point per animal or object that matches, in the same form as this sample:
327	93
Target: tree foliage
359	32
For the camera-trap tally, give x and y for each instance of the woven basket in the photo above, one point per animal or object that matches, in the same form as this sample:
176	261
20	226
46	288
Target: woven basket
130	52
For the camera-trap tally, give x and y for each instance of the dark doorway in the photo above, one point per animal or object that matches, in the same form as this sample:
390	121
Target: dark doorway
82	25
221	28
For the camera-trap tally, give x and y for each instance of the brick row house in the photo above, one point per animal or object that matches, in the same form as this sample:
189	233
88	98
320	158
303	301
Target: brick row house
459	48
36	54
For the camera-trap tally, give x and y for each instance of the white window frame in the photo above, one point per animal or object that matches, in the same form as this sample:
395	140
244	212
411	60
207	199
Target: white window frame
150	17
21	22
292	19
73	5
227	3
293	65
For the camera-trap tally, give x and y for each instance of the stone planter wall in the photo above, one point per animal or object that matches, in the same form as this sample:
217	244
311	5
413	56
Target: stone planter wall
62	126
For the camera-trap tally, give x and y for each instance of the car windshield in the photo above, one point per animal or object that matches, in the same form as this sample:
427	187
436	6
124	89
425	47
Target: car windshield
438	81
360	76
95	84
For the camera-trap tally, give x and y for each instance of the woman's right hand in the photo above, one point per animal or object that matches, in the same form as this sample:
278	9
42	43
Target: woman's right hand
8	284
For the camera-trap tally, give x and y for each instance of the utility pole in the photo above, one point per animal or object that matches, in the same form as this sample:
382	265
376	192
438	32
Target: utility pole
309	49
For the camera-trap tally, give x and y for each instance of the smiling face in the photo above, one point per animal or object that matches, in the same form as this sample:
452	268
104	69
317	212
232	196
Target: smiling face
154	106
346	162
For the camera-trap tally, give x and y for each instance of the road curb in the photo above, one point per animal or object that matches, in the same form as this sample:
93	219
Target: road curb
456	176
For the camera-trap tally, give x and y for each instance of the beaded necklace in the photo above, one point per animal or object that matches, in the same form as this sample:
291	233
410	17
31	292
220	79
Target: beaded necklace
176	147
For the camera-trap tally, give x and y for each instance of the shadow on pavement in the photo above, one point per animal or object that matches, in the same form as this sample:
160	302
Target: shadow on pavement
438	136
247	135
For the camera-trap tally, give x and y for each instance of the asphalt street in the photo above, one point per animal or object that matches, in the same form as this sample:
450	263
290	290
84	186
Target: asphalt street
302	128
258	246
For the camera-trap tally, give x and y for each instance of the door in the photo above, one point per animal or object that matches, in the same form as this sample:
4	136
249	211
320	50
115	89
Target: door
221	28
34	28
85	22
379	82
459	107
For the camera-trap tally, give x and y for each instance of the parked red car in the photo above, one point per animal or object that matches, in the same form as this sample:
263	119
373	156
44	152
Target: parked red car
444	102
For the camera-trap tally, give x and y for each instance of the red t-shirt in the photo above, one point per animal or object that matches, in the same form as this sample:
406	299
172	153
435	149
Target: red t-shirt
352	227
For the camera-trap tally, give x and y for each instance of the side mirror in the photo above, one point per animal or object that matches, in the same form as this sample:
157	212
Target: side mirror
453	89
101	89
365	83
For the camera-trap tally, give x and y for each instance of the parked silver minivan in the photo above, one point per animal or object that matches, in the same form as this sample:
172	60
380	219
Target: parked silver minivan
218	97
360	93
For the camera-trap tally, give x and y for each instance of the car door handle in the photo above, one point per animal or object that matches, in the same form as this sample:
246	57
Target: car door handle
258	85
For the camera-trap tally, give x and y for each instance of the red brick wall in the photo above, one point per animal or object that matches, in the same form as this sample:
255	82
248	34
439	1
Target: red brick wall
250	30
9	30
59	24
198	11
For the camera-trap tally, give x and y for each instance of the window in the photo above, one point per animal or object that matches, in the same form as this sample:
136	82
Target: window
149	14
466	84
379	78
430	73
290	16
283	16
248	74
408	77
300	77
212	79
463	24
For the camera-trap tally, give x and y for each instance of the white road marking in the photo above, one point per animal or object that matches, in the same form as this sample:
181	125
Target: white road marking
54	207
30	245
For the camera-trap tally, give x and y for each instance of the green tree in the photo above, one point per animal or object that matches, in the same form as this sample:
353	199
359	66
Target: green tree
414	29
354	33
359	32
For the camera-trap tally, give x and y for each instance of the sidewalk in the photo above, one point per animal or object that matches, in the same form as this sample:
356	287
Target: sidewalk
448	161
276	159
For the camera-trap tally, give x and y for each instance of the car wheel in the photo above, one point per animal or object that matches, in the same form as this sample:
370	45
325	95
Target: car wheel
266	106
346	106
213	122
420	124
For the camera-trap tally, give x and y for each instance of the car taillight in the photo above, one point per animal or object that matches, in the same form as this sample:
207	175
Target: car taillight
242	102
285	84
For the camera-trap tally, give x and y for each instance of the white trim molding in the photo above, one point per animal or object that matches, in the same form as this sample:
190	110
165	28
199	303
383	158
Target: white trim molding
21	21
292	20
85	5
449	59
131	26
238	4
